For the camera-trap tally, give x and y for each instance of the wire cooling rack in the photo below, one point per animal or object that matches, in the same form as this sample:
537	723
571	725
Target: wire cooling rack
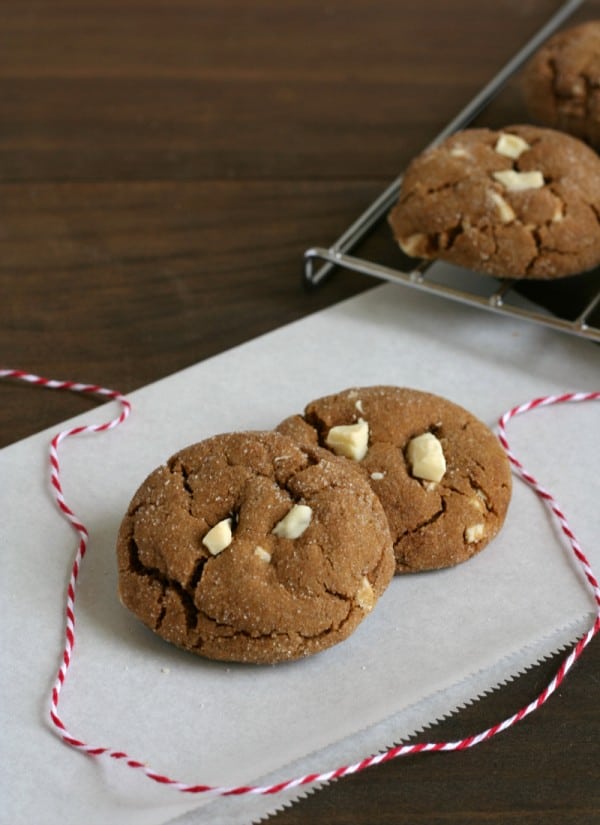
497	295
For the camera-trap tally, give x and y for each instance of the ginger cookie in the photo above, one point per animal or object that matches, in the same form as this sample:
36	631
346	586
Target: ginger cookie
561	83
247	547
440	473
522	202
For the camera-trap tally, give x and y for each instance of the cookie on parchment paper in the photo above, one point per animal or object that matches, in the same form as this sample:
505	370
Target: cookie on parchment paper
247	547
522	202
561	82
440	473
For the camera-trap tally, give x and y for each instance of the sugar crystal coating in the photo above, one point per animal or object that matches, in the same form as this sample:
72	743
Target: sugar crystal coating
247	547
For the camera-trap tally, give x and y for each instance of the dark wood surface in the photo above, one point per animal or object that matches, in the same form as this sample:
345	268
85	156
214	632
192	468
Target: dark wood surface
163	166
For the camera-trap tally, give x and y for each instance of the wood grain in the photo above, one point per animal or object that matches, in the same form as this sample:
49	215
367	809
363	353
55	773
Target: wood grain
163	167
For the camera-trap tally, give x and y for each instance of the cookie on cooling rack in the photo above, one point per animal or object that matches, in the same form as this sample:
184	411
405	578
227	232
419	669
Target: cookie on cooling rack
440	473
522	202
247	547
561	83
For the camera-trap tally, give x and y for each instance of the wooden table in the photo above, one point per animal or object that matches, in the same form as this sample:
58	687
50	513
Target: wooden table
163	167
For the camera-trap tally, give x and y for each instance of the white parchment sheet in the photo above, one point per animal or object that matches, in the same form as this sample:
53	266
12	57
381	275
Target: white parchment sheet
433	641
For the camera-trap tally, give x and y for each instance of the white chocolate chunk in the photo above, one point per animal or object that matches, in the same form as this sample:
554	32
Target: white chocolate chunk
558	214
377	476
479	501
349	440
294	523
514	181
413	244
511	146
426	457
474	533
504	209
359	406
262	554
459	152
482	495
218	537
365	598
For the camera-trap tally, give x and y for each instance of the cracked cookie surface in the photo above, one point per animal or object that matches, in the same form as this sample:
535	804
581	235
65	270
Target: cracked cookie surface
522	202
299	549
434	524
561	83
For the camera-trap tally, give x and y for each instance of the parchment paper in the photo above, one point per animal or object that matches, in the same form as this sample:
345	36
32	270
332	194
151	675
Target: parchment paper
433	642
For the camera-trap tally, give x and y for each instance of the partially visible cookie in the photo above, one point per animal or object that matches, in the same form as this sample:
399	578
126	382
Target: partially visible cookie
247	547
440	473
522	202
561	83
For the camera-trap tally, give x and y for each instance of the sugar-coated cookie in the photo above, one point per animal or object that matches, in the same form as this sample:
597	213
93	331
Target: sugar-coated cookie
247	547
440	473
522	202
561	83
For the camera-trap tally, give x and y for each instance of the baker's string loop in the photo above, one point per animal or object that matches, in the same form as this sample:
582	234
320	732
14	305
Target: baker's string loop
345	770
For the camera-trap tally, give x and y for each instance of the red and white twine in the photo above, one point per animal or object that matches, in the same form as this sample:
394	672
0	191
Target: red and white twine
345	770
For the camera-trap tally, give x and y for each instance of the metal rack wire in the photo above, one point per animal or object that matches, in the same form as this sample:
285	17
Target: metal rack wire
501	296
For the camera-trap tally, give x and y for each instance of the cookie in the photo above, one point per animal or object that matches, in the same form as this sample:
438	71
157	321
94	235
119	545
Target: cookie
440	473
247	547
523	202
561	83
